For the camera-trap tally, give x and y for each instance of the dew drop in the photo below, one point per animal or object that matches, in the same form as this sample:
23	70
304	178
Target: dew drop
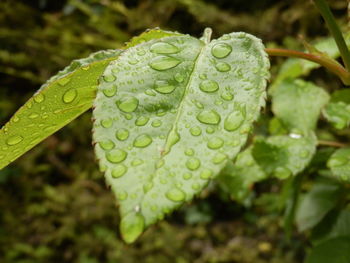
161	63
116	156
109	78
179	77
196	131
209	86
33	116
176	195
107	123
142	141
63	81
13	140
172	139
221	50
107	145
156	123
111	91
160	163
227	96
219	158
196	186
187	176
122	195
128	104
150	92
141	121
131	226
122	134
223	67
119	170
163	86
15	119
39	98
70	95
210	130
206	174
215	143
193	163
137	162
189	152
233	121
147	187
209	117
164	48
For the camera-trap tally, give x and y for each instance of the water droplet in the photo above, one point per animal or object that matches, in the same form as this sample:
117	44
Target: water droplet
233	121
122	195
210	130
215	143
142	141
39	98
13	140
131	226
107	145
221	50
227	96
187	176
141	121
304	154
111	91
147	187
122	134
282	172
196	186
163	86
133	61
109	78
116	156
179	77
141	52
63	81
193	163
172	139
70	95
137	162
219	158
206	174
196	131
163	63
176	195
209	86
150	92
33	116
189	152
223	67
164	48
128	104
160	163
15	119
156	123
107	123
119	170
209	117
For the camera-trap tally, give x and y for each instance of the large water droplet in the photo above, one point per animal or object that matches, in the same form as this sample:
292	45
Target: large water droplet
176	195
209	117
219	158
172	139
107	123
13	140
163	63
111	91
128	104
206	174
195	131
70	95
221	50
131	226
164	48
223	67
116	156
109	78
141	121
209	86
107	145
215	143
119	170
142	141
163	86
122	134
233	121
193	163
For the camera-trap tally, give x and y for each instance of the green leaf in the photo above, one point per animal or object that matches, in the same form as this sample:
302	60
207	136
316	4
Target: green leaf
298	104
337	112
60	100
283	155
169	117
317	203
339	163
238	177
335	250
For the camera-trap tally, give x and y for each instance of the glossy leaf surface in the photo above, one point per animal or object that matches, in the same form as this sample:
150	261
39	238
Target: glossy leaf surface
170	114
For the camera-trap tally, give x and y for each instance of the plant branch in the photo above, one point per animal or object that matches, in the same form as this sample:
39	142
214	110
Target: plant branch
333	144
332	65
327	15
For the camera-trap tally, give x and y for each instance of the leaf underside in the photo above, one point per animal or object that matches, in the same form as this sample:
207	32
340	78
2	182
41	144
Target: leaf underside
170	114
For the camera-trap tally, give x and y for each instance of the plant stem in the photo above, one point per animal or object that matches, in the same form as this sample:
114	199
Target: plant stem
324	61
327	15
333	144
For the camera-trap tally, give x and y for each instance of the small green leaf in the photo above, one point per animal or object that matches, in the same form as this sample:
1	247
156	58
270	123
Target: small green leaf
336	250
182	108
323	197
337	111
298	104
339	163
238	177
283	155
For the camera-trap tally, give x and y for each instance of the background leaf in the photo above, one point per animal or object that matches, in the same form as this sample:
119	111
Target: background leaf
339	163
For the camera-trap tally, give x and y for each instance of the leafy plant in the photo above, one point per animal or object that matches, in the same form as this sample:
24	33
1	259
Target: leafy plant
172	112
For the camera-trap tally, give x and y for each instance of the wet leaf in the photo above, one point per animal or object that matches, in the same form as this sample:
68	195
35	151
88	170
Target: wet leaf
339	163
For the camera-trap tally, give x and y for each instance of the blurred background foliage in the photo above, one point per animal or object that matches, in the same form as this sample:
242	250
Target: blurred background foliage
54	204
